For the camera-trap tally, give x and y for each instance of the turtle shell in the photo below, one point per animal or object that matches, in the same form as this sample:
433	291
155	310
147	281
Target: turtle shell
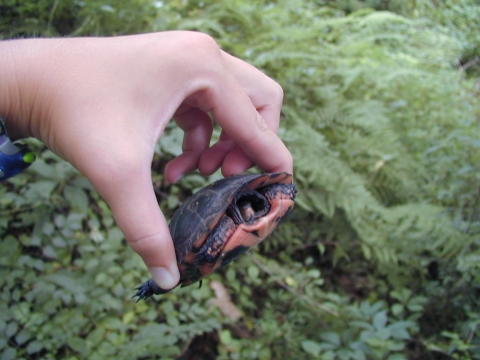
209	230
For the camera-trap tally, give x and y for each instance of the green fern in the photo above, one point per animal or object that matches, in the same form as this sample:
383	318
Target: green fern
381	117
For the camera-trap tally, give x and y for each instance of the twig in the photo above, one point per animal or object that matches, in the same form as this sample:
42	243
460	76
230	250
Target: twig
165	195
472	332
14	211
51	15
469	64
473	215
161	193
84	24
290	289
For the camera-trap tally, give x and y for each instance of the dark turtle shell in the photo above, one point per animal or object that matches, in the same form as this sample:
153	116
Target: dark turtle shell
222	221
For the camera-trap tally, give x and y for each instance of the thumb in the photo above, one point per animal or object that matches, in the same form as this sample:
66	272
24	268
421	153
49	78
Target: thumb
134	205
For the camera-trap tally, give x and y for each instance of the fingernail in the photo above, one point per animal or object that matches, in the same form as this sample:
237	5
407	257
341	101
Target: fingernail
163	277
262	124
178	178
174	181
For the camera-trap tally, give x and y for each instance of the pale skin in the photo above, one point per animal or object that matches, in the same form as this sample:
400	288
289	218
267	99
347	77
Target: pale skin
103	103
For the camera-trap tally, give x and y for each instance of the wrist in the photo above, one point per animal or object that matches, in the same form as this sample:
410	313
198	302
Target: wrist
21	102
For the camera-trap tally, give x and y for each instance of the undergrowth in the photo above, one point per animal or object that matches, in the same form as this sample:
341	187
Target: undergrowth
380	259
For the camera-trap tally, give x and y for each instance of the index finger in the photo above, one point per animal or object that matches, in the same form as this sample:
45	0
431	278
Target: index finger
243	123
239	119
265	94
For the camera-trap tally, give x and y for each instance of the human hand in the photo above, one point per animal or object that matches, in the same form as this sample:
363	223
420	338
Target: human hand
103	103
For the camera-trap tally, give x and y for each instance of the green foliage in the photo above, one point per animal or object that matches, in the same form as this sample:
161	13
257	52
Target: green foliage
92	17
380	259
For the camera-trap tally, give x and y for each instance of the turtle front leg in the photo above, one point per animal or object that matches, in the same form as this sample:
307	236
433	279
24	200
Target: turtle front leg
212	248
147	289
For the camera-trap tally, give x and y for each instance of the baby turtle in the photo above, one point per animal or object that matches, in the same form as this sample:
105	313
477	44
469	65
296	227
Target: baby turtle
224	220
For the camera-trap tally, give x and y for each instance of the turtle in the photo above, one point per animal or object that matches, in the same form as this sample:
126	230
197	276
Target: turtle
222	221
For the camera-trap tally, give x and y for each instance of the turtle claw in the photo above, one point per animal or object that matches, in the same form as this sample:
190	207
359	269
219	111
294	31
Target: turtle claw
143	292
147	289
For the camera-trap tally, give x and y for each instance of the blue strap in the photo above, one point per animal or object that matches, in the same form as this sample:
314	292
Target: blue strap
13	157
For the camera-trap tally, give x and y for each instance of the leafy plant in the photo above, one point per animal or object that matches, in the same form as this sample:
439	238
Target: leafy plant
380	258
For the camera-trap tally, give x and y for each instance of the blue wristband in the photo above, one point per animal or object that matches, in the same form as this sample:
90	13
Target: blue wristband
13	157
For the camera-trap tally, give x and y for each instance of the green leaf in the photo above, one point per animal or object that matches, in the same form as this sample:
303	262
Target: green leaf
115	235
112	323
397	309
397	357
380	320
358	355
41	189
314	273
66	282
375	342
225	337
34	347
96	337
23	336
49	252
74	221
331	337
92	264
311	347
253	272
10	249
77	344
172	140
128	317
264	354
76	196
11	329
399	329
230	274
415	307
8	354
384	334
48	228
59	242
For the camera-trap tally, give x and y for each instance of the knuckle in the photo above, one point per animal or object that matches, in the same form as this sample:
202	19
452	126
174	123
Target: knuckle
276	92
147	246
200	44
289	160
142	243
201	51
